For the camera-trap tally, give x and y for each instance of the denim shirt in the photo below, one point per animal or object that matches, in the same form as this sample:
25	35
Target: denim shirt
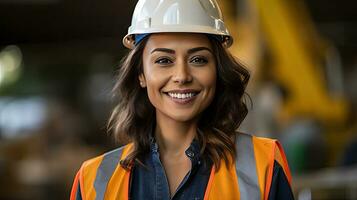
150	182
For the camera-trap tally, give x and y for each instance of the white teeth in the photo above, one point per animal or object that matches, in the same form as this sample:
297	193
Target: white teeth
181	96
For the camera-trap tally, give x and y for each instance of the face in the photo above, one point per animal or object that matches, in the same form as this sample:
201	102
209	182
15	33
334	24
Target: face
179	72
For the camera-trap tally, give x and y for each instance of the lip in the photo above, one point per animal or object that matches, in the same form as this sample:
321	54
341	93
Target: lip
182	91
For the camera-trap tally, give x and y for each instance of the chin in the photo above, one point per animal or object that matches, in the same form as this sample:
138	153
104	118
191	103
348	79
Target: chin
183	117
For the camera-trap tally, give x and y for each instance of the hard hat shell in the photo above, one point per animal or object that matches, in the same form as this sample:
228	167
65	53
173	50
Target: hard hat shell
190	16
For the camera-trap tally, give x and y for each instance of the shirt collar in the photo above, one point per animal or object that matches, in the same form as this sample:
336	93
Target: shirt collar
192	152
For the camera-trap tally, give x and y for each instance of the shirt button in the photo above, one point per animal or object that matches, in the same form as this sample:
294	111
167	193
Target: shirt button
190	154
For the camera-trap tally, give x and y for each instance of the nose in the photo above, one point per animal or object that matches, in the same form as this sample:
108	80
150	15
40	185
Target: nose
182	73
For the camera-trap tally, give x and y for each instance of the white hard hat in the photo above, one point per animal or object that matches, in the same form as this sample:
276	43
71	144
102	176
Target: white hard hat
192	16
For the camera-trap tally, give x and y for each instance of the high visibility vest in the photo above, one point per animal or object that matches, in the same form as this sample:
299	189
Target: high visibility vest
250	177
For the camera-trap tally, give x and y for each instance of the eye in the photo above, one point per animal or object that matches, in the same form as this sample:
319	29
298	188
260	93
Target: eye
163	61
199	60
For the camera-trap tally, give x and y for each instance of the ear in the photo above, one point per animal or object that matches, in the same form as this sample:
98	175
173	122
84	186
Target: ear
142	80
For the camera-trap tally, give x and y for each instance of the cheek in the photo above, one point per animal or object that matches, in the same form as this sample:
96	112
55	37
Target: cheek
154	84
211	86
210	82
153	94
208	78
150	76
155	79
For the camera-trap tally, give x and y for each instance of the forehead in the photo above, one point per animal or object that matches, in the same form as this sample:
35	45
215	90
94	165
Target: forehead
177	41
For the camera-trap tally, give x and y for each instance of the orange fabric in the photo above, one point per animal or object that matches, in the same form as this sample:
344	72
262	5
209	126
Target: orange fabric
266	152
88	174
127	177
210	182
224	184
281	158
81	183
270	172
119	183
262	149
75	187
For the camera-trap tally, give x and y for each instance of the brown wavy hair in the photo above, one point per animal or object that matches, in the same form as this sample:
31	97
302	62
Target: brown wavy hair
133	118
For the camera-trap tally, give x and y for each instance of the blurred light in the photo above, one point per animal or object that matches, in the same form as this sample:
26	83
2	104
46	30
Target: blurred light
20	117
10	64
305	194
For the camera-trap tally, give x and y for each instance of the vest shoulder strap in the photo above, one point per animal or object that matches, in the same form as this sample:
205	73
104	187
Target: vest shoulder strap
96	175
251	174
266	152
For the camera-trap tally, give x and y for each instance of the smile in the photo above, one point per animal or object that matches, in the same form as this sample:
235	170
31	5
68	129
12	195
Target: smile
182	95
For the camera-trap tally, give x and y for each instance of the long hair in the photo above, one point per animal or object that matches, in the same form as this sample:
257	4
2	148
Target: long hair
133	118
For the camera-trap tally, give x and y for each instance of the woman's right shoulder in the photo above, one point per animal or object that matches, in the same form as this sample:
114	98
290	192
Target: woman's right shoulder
95	170
112	157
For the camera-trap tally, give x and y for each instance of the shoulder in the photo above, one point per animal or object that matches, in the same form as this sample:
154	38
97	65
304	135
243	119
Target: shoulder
115	154
96	170
261	145
266	151
258	144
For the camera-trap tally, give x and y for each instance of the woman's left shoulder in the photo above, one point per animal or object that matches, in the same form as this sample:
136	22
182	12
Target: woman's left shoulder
266	151
263	144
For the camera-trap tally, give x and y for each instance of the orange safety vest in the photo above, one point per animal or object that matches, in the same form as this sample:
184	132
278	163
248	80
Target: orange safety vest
103	178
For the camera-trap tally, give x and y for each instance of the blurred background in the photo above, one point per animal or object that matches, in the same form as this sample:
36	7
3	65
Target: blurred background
59	58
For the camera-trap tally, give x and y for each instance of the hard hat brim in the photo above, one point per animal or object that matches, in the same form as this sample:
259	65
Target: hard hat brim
129	39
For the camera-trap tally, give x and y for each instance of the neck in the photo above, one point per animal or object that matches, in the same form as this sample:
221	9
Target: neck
174	137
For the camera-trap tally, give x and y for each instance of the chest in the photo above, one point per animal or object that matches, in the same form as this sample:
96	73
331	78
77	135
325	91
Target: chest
176	170
173	183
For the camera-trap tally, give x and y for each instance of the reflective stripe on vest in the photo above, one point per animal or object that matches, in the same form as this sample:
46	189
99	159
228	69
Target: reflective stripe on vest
105	171
246	168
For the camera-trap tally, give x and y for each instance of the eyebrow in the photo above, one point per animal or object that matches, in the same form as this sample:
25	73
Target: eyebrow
190	51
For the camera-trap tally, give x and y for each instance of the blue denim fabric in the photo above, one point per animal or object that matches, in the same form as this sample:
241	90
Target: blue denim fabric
150	182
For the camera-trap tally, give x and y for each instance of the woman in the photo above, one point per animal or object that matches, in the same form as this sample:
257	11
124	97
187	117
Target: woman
180	105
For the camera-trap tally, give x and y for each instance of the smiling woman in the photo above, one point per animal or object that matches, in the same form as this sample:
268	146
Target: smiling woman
180	78
180	104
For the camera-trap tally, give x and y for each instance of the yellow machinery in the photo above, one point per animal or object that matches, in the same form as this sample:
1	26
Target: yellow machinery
298	60
297	51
